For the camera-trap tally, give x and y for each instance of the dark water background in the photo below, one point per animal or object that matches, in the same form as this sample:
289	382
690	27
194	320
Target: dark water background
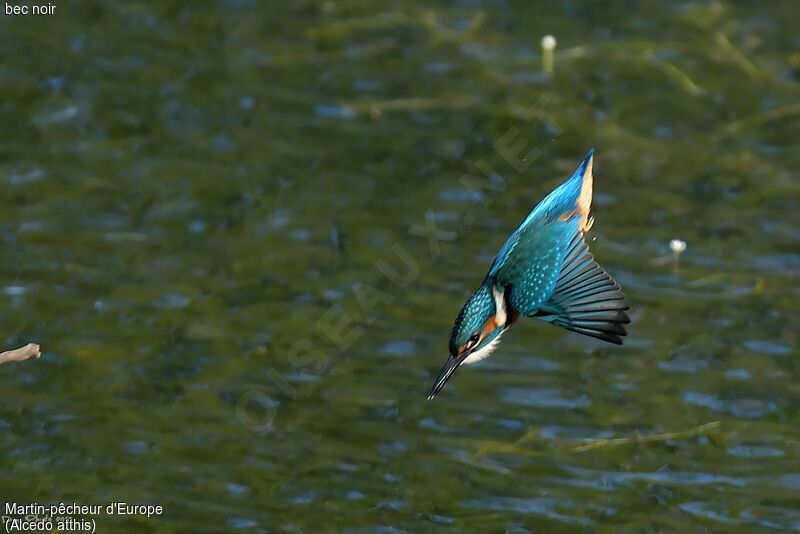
214	220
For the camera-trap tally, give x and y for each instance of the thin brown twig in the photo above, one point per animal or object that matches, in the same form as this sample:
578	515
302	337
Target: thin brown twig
31	350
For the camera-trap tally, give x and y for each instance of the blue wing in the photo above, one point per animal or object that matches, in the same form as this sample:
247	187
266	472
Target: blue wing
547	271
531	269
561	200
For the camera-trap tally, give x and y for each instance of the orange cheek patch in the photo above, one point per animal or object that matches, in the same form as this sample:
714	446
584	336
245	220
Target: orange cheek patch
490	325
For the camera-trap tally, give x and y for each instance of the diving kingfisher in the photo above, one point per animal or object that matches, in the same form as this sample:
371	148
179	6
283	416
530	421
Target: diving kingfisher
543	270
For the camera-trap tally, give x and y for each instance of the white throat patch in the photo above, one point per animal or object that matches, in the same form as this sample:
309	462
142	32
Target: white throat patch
484	353
499	306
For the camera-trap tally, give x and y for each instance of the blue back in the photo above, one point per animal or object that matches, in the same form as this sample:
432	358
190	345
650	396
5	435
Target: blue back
562	199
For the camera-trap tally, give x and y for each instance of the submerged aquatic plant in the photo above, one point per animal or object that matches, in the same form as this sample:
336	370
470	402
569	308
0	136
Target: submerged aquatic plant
548	47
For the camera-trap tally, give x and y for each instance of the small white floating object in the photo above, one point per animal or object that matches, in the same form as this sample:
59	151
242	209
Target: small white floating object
677	246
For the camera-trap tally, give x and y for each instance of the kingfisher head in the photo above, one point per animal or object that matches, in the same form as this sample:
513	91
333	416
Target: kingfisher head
476	331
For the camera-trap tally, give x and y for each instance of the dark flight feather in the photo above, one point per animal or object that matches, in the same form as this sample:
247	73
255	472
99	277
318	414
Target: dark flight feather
586	299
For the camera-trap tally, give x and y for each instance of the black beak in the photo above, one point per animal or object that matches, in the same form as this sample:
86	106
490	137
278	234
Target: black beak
449	368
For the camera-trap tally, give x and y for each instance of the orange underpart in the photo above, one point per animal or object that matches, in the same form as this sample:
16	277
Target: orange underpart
584	202
585	198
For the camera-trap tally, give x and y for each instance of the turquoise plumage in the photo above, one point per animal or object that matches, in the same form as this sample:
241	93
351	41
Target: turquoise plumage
543	270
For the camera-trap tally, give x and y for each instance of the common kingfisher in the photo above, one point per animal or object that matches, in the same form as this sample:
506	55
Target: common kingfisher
543	270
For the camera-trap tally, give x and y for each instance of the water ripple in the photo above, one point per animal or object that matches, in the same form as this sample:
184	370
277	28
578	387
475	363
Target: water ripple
607	480
755	451
544	398
543	506
745	408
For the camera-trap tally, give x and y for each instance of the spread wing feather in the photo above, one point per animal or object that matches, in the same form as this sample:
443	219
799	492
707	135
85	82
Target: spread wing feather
586	299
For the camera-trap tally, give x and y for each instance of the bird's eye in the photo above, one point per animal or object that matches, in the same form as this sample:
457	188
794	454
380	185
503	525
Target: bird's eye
473	339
